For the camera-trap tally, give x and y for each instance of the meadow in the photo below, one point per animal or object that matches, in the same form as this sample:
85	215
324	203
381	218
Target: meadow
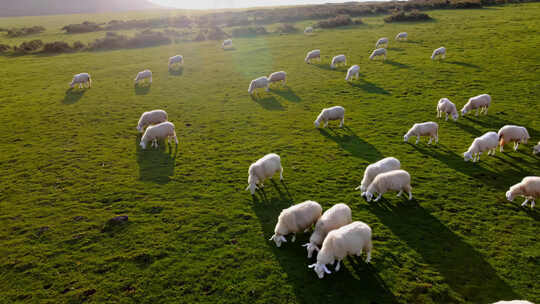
70	161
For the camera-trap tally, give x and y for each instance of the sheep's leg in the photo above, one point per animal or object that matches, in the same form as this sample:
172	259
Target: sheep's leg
400	193
338	266
150	79
368	258
293	238
446	117
281	174
517	146
408	189
525	202
378	198
476	112
430	140
532	204
342	122
325	123
417	139
486	109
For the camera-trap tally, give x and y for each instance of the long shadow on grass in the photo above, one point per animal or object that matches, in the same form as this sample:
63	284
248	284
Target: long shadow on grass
494	123
326	66
176	72
473	131
464	64
287	94
397	49
349	141
156	165
142	89
397	64
369	87
268	102
73	95
463	268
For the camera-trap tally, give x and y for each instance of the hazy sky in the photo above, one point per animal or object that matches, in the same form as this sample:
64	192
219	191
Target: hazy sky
215	4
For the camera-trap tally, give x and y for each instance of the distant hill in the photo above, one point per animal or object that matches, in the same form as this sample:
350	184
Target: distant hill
9	8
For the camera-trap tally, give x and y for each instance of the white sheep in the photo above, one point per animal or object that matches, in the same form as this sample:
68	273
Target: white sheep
395	180
151	118
338	244
529	188
429	128
333	113
277	77
178	59
511	133
142	76
353	71
487	142
382	166
262	169
536	149
259	83
337	60
295	219
514	302
308	30
377	53
164	130
337	216
402	36
382	41
446	106
311	55
480	102
82	78
227	43
441	52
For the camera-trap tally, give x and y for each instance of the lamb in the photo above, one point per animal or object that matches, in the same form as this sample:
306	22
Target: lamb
339	243
396	180
378	52
262	169
315	54
536	149
178	59
510	133
278	76
333	113
259	83
339	59
164	130
308	30
481	102
441	52
227	43
82	78
382	166
487	142
448	107
529	188
142	76
296	219
429	128
337	216
353	71
151	118
402	36
382	41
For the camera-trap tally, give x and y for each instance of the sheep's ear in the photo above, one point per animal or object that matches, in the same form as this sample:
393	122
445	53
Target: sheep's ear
316	248
283	239
312	266
305	245
326	270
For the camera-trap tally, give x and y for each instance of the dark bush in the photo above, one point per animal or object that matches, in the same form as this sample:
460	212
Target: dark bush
402	16
4	48
465	4
25	31
287	28
28	47
142	39
216	33
341	20
249	31
77	45
56	47
84	27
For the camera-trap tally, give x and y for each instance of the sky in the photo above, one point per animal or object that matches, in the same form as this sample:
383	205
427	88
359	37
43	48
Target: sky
218	4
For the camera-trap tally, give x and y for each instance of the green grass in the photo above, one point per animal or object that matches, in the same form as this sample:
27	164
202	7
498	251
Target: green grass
70	161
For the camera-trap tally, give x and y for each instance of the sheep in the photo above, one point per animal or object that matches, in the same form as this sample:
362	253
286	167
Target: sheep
487	142
333	113
536	149
382	166
262	169
396	180
514	302
441	52
382	41
151	118
353	71
82	78
429	128
378	52
510	133
402	35
337	216
308	30
278	76
175	59
259	83
339	59
480	102
142	76
164	130
338	244
315	54
227	43
529	188
295	219
446	106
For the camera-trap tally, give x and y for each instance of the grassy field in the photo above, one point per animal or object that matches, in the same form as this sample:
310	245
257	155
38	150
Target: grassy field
71	161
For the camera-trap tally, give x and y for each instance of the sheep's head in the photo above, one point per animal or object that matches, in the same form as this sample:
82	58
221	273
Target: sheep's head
464	111
510	195
455	116
406	137
72	83
368	195
143	144
536	149
317	123
139	128
252	187
320	269
467	156
310	248
278	239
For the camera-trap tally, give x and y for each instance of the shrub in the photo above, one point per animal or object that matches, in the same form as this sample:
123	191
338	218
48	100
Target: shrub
249	31
465	4
28	46
25	31
341	20
141	39
200	36
56	47
401	16
84	27
287	28
216	33
4	48
77	45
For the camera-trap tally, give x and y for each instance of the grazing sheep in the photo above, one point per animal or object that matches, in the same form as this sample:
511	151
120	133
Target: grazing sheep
262	169
339	59
382	41
176	59
151	118
402	36
308	30
333	113
487	142
353	71
278	76
337	216
378	52
338	244
164	130
536	149
480	102
514	302
142	76
82	78
295	219
529	188
259	83
441	52
429	128
396	180
446	106
382	166
511	133
315	54
227	43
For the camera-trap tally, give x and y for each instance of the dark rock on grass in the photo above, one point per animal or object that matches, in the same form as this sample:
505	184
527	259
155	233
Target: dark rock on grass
115	222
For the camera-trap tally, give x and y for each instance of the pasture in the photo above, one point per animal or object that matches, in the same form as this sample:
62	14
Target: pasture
71	161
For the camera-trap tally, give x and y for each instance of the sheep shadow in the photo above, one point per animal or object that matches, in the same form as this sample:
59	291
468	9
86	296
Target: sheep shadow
397	49
349	141
464	64
369	87
287	94
156	165
142	89
324	66
229	49
494	123
73	95
463	268
176	72
268	102
397	64
469	129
